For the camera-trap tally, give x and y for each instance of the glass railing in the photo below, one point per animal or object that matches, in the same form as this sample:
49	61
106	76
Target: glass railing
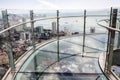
43	64
72	42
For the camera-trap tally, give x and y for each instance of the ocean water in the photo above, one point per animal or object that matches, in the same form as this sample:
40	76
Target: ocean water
74	24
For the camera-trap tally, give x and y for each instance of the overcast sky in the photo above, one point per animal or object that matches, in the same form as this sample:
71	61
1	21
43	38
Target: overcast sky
58	4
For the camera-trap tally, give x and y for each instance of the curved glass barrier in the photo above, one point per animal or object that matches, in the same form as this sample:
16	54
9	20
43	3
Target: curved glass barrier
43	63
73	55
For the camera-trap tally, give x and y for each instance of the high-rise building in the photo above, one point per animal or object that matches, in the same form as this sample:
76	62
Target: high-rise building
54	27
24	25
39	29
0	24
67	31
25	36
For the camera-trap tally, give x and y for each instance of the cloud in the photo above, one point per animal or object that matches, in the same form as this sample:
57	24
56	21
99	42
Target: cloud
48	4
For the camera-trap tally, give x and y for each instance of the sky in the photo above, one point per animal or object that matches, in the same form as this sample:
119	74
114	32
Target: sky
58	4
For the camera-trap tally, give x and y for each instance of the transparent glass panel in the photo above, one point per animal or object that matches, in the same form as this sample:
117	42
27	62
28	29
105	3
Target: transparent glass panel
20	36
64	13
16	16
96	40
43	64
44	61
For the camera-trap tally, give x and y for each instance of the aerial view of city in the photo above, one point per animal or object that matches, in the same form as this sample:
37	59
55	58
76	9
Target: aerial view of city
59	40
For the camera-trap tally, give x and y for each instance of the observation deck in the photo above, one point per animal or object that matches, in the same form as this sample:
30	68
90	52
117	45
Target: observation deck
66	46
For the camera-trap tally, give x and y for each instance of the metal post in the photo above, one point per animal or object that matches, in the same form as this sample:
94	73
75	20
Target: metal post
58	34
8	44
84	32
114	19
32	28
108	41
33	40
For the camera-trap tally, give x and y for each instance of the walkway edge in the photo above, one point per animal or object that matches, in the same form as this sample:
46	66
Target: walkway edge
101	62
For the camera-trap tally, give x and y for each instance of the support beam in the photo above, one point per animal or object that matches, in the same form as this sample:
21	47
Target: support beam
32	28
108	41
109	33
112	37
84	32
58	35
33	42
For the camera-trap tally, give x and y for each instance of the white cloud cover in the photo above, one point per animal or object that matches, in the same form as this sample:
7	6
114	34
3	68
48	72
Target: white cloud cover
58	4
48	5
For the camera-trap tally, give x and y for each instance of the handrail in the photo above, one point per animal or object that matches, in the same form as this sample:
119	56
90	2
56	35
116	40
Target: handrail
38	19
109	28
23	23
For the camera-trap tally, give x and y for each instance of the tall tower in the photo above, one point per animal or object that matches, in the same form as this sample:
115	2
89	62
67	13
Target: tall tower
41	29
54	29
24	25
0	24
67	31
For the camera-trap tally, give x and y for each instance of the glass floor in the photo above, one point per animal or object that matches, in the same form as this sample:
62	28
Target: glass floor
43	64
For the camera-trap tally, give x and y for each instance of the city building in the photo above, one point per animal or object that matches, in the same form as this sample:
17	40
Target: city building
39	29
0	24
67	31
54	28
25	36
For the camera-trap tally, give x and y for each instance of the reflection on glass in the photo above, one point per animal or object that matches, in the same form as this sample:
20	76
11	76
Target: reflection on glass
44	65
